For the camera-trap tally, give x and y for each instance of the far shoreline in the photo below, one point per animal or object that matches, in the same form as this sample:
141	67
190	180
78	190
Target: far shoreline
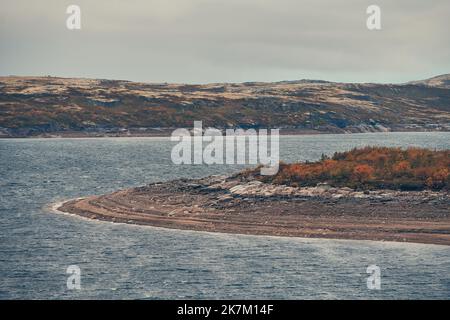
167	134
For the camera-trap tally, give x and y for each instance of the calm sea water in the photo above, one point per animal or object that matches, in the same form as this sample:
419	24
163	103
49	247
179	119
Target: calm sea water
132	262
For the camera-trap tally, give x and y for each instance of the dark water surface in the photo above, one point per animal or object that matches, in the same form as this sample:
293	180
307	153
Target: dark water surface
129	262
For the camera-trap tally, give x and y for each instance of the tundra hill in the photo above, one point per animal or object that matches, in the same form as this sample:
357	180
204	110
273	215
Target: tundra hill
442	81
31	106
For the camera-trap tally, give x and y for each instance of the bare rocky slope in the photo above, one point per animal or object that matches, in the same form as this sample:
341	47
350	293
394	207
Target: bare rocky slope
33	106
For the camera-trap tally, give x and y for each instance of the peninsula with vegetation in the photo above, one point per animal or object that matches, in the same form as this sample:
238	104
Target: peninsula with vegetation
373	193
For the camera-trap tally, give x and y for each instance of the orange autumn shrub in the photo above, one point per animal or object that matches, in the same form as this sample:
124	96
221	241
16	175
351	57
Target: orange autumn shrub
402	166
371	168
363	172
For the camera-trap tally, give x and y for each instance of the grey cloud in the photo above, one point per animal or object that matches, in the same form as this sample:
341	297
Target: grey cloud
226	40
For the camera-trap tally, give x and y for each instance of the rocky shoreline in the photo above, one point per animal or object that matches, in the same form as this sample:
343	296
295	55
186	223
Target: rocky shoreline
38	132
240	205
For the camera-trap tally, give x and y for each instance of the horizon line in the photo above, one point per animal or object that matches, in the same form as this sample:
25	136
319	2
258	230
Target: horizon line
223	82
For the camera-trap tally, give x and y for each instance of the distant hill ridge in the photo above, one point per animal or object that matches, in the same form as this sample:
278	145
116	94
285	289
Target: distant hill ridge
31	106
442	81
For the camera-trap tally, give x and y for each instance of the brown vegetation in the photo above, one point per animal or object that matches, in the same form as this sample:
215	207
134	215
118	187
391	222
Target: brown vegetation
371	168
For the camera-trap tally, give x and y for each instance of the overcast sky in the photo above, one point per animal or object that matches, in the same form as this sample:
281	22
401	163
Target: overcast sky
200	41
